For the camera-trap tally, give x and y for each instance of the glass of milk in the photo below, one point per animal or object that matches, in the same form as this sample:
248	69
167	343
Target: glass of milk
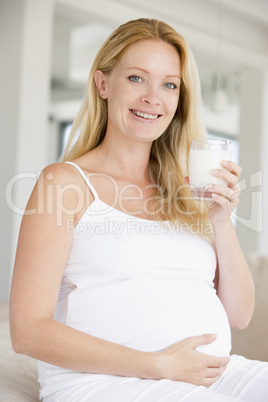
204	157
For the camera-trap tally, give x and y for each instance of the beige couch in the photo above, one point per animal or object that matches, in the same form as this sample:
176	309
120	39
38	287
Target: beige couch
252	342
18	374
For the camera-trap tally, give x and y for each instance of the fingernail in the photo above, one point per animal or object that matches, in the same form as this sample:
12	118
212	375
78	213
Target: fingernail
214	336
215	171
225	163
209	186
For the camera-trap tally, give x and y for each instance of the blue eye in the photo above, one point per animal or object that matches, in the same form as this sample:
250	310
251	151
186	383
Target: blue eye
135	78
169	85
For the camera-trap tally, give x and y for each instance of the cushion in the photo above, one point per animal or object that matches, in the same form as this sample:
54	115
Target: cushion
18	373
252	342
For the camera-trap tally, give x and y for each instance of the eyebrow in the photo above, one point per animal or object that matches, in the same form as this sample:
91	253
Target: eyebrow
148	72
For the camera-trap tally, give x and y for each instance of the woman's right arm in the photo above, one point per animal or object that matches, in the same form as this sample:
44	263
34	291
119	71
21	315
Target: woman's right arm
44	245
43	249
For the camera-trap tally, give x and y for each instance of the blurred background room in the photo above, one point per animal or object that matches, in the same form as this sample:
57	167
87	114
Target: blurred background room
47	47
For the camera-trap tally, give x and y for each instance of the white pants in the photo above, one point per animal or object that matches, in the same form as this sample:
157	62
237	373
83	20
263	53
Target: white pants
243	380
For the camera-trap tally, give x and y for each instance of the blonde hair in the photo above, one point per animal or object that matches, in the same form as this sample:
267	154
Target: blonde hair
169	153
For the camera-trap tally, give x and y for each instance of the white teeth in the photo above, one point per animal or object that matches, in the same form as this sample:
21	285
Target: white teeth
145	115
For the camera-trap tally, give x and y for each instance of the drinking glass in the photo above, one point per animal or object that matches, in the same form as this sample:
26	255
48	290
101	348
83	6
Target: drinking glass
204	157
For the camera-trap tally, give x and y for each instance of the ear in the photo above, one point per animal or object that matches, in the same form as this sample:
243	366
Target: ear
100	81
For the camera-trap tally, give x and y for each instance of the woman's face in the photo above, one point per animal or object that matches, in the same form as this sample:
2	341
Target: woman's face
142	91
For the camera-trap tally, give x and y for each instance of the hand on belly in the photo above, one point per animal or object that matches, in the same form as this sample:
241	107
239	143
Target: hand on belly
182	362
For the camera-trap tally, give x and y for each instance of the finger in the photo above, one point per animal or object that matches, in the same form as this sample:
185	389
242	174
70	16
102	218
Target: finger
204	339
227	192
233	196
232	167
215	371
225	202
207	382
213	375
230	178
218	362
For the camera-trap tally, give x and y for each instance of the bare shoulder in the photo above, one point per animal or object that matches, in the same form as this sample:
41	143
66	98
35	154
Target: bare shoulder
64	177
64	172
60	173
60	186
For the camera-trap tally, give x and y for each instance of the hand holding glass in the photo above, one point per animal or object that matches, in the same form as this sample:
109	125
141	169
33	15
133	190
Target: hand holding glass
204	157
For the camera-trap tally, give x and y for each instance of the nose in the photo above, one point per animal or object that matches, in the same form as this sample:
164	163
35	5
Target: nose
151	96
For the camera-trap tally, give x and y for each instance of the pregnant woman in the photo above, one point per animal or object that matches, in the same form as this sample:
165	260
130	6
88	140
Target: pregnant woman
124	287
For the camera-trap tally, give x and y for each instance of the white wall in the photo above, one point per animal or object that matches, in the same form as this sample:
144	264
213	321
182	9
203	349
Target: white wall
11	24
250	214
263	238
25	78
242	39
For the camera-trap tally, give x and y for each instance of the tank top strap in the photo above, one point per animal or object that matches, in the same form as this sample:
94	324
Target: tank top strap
92	189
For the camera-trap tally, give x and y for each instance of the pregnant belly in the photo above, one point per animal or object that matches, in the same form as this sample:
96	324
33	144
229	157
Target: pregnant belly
152	315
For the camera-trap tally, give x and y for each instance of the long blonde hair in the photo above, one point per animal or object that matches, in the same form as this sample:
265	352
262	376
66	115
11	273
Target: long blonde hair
169	153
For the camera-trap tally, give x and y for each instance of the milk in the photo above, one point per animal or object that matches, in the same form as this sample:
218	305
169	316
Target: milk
201	163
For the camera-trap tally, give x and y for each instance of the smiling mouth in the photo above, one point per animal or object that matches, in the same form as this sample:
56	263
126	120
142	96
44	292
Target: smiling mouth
147	116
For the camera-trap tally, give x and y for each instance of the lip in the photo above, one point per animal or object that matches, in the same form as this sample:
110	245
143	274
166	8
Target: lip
147	112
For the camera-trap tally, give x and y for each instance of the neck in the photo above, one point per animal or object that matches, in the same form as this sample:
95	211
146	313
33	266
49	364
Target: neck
125	158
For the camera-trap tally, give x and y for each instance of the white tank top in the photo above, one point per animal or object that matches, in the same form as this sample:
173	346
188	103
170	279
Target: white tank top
136	282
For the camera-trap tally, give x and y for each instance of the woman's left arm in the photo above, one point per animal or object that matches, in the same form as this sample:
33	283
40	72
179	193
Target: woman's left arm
234	283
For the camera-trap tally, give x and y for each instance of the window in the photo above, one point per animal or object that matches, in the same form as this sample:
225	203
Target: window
226	137
65	129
